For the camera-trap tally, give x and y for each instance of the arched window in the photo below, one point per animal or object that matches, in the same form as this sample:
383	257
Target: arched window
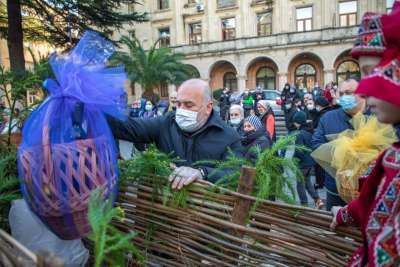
265	78
193	72
230	81
347	70
305	75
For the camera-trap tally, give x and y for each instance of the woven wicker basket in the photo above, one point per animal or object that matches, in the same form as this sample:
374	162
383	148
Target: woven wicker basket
347	186
60	191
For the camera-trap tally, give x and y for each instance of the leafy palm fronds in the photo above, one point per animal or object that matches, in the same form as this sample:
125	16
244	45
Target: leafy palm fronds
151	68
110	245
154	167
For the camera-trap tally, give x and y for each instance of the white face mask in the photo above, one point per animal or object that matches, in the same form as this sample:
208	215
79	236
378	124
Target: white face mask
187	120
235	121
310	107
149	107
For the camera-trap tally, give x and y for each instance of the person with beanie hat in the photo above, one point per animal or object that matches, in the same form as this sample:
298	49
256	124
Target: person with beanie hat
254	137
298	105
306	162
377	209
370	43
267	117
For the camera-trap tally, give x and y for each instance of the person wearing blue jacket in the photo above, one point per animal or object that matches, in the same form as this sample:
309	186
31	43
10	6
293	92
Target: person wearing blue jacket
306	162
333	123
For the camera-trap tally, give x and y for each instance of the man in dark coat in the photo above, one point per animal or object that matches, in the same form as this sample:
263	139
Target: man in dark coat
289	93
322	106
193	133
333	123
224	103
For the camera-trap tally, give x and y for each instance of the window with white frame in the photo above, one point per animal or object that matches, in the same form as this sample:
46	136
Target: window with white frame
304	18
163	4
264	24
347	13
164	37
228	29
195	36
226	3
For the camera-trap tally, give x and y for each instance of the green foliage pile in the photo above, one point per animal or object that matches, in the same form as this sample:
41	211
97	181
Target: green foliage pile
154	167
271	181
9	183
110	245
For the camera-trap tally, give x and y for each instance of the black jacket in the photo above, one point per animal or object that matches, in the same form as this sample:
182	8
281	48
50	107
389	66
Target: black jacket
211	142
257	139
303	138
224	101
322	112
289	117
239	128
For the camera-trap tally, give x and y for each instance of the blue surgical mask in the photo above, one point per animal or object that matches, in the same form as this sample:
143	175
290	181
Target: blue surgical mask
348	102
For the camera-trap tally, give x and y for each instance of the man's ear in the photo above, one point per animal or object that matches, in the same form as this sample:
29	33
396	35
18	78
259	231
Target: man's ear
209	106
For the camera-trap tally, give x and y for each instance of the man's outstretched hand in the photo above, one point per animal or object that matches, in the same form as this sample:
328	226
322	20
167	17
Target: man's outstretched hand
183	176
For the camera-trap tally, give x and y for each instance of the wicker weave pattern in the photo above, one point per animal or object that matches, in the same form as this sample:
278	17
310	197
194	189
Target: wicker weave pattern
205	233
59	192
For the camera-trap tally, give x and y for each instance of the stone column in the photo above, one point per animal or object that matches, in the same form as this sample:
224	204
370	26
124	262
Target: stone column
180	33
282	79
328	76
241	82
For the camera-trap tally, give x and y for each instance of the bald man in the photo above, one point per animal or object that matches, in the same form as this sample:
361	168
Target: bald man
334	122
193	133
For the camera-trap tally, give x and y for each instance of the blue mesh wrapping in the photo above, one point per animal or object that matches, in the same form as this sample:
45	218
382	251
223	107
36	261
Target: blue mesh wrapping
67	148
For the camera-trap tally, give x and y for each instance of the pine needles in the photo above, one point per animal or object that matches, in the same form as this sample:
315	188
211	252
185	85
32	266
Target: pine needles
154	167
110	245
271	182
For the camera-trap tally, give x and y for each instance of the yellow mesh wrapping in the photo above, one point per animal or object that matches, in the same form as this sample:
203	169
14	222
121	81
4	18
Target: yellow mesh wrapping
348	156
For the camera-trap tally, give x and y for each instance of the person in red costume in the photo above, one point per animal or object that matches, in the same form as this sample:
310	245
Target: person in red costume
377	210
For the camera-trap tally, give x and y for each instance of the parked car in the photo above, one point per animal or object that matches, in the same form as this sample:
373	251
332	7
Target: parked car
273	97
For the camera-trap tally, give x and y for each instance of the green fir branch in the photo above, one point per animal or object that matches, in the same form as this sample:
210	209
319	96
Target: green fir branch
110	244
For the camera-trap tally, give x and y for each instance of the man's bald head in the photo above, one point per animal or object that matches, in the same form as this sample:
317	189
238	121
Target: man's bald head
348	87
197	86
195	95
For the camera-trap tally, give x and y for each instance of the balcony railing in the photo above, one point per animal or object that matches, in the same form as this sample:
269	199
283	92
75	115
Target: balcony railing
273	41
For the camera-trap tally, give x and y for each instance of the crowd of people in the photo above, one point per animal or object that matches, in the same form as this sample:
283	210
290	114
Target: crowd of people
252	116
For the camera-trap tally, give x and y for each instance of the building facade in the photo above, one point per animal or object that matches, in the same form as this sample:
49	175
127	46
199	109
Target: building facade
249	43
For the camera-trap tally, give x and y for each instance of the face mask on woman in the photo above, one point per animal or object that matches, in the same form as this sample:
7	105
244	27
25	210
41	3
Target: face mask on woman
235	121
149	107
310	106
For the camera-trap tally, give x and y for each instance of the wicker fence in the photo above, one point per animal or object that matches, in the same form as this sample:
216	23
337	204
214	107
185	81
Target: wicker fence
216	229
14	254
